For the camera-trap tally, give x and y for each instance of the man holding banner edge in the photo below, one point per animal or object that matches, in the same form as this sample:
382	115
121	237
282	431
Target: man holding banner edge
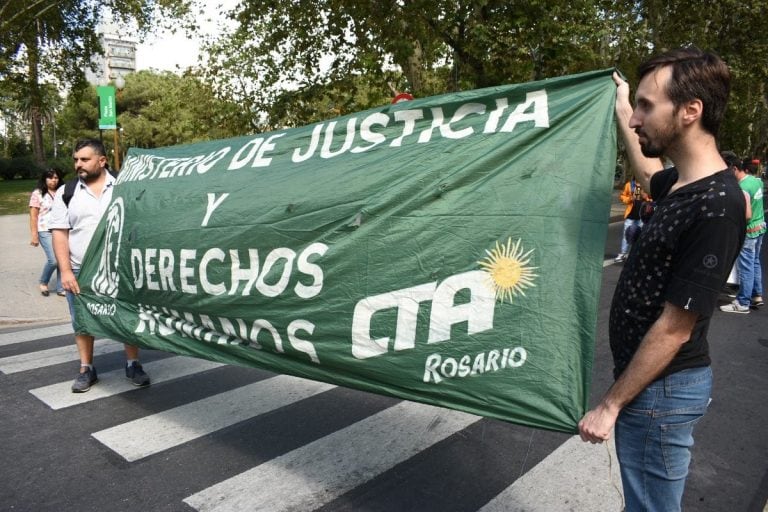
75	216
669	286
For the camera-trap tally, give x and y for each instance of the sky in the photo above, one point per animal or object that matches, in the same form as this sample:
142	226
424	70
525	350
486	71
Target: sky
175	52
167	52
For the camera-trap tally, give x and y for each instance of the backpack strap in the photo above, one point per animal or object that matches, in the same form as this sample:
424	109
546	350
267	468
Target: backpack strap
69	191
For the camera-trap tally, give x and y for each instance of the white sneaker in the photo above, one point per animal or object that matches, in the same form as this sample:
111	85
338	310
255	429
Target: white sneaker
735	307
620	257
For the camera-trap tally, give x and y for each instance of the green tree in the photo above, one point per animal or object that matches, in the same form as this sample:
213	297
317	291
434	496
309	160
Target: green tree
79	118
735	30
163	109
155	109
57	39
298	52
291	62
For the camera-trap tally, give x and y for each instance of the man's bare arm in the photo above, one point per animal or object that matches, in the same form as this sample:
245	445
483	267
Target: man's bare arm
61	250
643	166
659	346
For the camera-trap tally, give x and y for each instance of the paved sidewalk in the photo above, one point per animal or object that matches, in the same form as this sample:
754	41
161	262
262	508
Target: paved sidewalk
20	268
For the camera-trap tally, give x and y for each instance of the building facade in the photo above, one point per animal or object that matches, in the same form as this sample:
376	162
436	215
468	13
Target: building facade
118	60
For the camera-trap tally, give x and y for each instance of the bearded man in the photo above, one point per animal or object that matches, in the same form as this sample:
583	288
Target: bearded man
670	283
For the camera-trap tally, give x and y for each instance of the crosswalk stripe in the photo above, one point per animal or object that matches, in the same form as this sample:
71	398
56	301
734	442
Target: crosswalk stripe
58	396
152	434
316	473
51	356
9	338
595	486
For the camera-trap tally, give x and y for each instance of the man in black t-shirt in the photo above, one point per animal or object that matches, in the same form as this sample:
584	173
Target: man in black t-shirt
669	285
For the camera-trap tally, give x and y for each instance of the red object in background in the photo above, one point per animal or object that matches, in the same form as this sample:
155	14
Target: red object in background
403	96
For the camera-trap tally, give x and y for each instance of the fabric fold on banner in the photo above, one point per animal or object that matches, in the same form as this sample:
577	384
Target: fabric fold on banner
446	250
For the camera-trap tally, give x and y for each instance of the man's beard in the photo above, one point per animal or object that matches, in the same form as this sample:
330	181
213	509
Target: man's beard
664	138
88	176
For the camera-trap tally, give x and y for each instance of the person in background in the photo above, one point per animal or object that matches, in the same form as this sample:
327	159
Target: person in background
668	288
40	204
749	268
633	196
73	226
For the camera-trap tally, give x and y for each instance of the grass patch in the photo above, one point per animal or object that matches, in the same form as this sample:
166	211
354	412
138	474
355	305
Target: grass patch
14	196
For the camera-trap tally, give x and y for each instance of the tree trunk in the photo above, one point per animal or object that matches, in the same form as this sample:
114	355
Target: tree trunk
415	69
35	99
37	137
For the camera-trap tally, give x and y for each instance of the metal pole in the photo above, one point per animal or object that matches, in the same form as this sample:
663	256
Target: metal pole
119	84
117	152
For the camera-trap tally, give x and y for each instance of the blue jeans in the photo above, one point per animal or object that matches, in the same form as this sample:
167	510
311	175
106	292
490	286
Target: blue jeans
750	270
654	435
46	242
627	224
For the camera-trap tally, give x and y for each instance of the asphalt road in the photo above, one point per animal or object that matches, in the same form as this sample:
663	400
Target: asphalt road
193	442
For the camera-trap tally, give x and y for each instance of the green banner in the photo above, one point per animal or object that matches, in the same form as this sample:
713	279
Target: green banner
107	107
446	250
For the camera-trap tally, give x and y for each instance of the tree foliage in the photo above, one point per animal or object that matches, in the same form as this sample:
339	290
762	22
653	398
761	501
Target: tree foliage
55	40
292	62
735	30
362	50
154	109
163	109
296	61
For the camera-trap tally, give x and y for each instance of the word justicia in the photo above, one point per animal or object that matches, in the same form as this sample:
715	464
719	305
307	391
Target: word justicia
392	129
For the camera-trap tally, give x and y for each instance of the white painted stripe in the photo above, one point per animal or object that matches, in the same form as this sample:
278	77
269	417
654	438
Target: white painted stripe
59	396
152	434
576	476
51	356
318	472
9	338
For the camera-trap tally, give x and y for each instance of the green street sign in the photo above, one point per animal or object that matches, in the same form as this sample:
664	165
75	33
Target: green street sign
107	107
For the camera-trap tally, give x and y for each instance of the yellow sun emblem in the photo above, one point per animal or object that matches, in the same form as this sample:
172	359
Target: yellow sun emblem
508	270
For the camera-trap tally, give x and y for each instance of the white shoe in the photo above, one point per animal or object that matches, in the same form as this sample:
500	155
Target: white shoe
735	307
620	257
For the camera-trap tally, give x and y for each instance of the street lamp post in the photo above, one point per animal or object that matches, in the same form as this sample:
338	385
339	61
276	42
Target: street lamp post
119	85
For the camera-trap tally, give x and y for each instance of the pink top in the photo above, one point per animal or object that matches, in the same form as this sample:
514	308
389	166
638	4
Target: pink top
44	204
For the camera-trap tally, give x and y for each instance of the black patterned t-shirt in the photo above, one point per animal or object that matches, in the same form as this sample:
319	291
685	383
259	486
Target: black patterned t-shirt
683	256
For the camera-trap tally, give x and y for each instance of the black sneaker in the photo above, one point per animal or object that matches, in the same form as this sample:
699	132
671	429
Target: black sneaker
136	375
85	380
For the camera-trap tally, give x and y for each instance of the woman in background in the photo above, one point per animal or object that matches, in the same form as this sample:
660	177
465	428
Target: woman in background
40	204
